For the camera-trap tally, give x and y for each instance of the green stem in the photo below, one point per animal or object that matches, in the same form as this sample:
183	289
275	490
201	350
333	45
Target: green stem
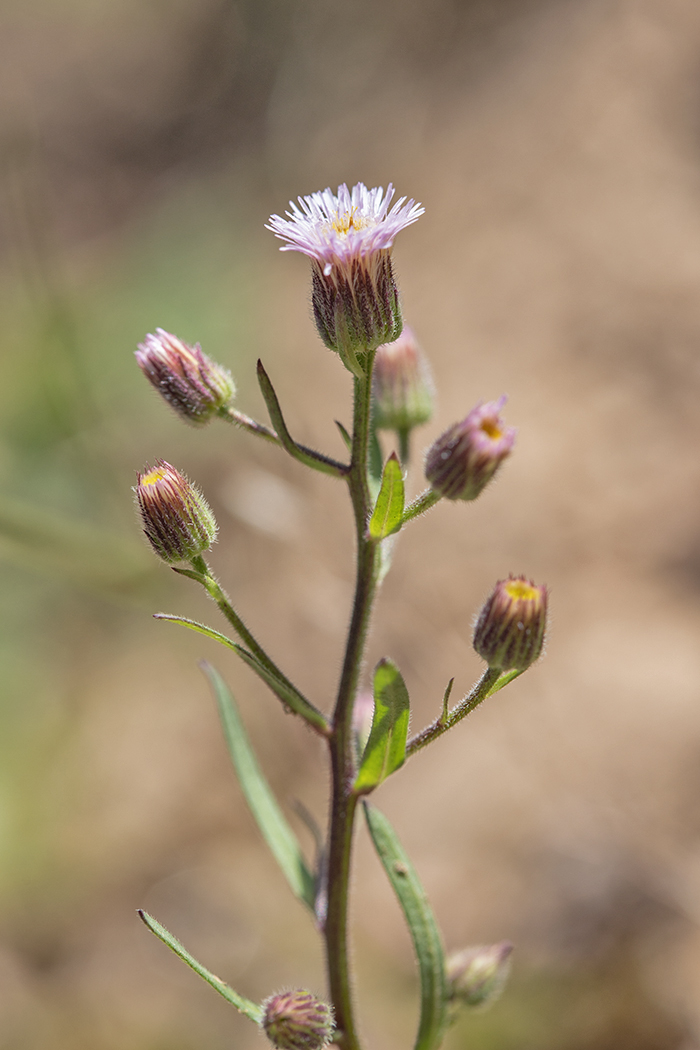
231	415
404	436
214	589
480	691
421	503
343	805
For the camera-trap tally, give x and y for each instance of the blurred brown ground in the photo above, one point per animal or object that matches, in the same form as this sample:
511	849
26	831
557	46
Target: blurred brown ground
556	147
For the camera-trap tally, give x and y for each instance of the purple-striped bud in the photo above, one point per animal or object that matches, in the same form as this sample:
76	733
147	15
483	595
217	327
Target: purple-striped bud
510	628
195	386
297	1020
402	387
477	976
177	520
464	459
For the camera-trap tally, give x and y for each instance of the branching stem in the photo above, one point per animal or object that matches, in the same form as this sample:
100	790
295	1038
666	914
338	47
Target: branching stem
343	805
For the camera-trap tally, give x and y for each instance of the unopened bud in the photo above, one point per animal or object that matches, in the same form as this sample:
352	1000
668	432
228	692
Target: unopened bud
464	459
511	626
297	1020
177	520
402	387
195	386
477	976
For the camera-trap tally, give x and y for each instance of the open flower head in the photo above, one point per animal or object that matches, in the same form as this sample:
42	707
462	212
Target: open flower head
195	386
348	236
177	520
464	459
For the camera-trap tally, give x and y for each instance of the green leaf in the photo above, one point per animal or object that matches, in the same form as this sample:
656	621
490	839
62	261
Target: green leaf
263	805
422	926
505	679
344	435
375	462
385	751
388	511
245	1006
282	689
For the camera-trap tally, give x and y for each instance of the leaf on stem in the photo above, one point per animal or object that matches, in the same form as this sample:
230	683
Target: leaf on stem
388	511
375	463
305	455
243	1005
282	689
344	435
263	805
385	751
422	926
505	679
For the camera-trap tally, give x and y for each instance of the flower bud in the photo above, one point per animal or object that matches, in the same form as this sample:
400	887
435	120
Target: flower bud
176	518
402	387
195	386
477	976
297	1020
510	628
465	458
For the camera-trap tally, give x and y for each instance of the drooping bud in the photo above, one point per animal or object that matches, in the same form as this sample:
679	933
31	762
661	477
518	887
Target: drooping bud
177	520
510	628
477	976
464	459
195	386
297	1020
348	238
402	387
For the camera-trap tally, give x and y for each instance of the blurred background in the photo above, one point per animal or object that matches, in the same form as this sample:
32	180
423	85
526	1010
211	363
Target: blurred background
556	147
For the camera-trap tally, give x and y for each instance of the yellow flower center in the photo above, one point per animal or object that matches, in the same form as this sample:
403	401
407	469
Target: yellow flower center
349	220
521	590
154	476
491	429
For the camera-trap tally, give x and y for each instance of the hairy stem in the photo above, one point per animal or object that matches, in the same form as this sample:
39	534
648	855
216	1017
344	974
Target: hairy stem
343	805
479	692
314	717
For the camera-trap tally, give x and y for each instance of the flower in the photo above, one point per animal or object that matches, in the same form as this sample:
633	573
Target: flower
177	520
402	387
510	628
348	238
195	386
297	1021
477	976
464	459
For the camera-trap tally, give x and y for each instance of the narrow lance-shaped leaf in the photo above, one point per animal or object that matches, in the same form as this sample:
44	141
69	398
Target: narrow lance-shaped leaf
245	1006
385	750
375	464
388	511
282	689
263	805
422	926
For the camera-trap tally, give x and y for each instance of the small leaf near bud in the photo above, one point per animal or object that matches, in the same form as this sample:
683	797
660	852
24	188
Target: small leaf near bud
195	386
402	387
477	976
464	459
510	628
176	518
297	1020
